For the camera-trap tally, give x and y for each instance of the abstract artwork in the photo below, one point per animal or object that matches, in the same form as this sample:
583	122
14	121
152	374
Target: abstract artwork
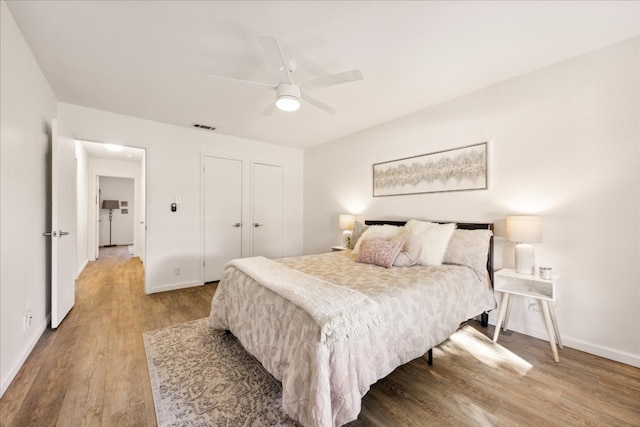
458	169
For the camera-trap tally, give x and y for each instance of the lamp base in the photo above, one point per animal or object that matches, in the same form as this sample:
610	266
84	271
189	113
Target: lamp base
346	238
525	259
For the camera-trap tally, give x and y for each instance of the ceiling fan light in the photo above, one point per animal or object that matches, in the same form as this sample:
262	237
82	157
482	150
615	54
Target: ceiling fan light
288	103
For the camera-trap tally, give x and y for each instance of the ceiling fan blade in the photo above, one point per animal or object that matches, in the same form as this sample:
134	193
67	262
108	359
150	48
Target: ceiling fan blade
251	82
276	59
332	79
270	109
318	104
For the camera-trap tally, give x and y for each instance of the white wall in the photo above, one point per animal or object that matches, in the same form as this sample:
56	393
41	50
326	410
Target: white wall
121	224
173	169
563	143
27	105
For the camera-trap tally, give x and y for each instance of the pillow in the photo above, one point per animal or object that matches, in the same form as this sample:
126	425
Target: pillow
434	238
470	248
358	229
410	251
377	231
379	252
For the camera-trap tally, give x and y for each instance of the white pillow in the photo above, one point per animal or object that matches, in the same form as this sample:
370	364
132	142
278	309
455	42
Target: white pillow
358	229
410	251
434	237
377	232
469	247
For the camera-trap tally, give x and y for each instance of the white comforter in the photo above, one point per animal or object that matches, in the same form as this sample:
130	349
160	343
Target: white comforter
419	307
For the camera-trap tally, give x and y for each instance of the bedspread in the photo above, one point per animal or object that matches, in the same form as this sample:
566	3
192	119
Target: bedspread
323	384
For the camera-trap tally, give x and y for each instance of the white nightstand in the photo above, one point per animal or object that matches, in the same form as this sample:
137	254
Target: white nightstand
338	248
511	283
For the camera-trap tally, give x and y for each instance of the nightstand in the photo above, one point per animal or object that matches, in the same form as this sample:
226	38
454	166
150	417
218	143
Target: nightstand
511	283
338	248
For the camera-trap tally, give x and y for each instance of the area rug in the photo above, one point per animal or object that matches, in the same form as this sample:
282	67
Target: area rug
203	377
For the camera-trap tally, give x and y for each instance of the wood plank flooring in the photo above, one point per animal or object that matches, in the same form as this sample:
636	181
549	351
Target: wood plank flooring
92	370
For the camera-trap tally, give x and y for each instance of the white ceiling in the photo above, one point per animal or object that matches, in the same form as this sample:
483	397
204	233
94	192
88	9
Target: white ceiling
151	59
102	151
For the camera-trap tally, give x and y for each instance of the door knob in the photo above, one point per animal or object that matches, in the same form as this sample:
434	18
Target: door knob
256	225
237	224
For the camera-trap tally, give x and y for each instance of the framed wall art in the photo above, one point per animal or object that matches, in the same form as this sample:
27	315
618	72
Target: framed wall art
458	169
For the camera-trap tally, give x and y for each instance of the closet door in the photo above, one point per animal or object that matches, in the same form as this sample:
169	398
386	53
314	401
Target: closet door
268	217
222	214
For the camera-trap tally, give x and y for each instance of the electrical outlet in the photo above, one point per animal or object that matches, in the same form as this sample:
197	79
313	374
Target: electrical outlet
533	306
177	271
26	320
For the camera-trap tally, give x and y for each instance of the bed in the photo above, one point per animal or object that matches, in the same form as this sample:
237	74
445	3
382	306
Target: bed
329	327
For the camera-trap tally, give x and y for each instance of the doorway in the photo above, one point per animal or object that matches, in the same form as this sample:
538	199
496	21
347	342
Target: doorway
117	212
116	174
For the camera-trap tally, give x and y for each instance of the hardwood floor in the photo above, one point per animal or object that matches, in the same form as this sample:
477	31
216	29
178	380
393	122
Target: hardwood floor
92	370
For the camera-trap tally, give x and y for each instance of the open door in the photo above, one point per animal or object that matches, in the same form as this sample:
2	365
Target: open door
63	225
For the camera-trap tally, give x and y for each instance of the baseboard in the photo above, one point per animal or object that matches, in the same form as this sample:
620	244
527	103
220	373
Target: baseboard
11	375
606	352
173	287
82	267
587	347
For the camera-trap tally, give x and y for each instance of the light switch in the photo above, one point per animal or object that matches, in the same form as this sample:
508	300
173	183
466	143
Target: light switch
178	199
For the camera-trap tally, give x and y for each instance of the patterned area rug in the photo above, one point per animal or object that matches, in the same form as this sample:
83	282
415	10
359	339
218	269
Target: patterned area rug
203	377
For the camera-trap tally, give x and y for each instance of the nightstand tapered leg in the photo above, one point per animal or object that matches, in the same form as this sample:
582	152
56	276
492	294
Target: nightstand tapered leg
503	308
556	328
506	316
547	321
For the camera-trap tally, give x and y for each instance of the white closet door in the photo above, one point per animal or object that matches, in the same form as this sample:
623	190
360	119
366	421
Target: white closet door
222	214
268	217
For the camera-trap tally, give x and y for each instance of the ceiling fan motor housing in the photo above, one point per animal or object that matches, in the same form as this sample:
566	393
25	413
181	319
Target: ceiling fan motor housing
288	97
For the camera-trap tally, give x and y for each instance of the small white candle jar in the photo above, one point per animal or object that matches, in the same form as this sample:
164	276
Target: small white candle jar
545	273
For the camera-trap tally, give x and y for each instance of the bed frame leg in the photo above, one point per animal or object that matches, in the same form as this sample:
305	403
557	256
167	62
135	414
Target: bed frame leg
484	319
430	357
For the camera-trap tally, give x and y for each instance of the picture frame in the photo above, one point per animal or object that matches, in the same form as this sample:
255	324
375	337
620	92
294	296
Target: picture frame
456	169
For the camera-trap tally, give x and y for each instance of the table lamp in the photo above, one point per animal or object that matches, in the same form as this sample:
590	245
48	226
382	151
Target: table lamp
524	229
346	222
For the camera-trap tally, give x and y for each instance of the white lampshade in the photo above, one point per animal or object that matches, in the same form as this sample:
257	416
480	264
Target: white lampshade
524	228
346	222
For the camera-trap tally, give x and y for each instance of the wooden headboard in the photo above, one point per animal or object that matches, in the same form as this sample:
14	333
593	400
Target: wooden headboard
462	226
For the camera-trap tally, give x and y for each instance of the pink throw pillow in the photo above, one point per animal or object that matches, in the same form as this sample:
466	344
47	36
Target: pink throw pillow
379	252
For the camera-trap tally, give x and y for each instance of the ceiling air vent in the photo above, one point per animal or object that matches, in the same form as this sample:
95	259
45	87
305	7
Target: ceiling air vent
205	127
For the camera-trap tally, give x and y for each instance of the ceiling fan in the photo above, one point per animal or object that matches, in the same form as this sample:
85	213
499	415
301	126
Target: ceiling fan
289	94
